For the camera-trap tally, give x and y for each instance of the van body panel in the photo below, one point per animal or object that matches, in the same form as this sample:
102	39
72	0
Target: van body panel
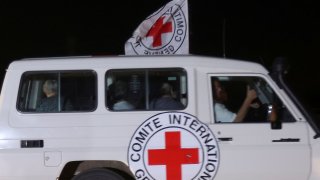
268	158
36	145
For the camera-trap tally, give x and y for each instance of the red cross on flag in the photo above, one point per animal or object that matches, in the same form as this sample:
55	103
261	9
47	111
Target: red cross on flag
164	32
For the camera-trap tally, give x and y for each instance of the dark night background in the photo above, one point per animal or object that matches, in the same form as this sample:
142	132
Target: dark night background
255	31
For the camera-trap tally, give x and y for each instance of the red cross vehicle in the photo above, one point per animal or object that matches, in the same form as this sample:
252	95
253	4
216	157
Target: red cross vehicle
153	118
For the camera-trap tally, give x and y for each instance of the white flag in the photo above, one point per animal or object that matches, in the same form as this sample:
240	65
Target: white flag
164	32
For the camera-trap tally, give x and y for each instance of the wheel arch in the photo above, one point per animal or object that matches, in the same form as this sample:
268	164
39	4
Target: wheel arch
75	167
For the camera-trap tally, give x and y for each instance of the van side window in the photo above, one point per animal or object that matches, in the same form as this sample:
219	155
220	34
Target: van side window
146	89
53	92
246	99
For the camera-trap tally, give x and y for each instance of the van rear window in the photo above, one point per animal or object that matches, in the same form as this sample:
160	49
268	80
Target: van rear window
146	89
53	92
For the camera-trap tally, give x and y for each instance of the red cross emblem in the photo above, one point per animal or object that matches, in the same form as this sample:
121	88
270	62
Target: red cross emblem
173	156
158	29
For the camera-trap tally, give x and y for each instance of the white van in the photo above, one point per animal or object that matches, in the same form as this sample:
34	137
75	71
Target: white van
152	117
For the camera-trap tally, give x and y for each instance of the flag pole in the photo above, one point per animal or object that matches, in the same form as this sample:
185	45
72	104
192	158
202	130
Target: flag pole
224	37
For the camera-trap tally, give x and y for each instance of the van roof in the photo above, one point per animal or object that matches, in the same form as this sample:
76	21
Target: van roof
118	62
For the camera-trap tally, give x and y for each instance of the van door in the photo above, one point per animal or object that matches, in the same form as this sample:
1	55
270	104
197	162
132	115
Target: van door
251	149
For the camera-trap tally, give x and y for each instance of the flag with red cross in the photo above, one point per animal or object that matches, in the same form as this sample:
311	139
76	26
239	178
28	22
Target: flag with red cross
165	32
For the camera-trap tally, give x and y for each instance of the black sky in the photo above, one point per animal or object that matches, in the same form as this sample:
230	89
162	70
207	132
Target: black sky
255	31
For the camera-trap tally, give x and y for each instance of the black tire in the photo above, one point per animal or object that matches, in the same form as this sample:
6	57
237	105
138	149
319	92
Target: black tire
98	174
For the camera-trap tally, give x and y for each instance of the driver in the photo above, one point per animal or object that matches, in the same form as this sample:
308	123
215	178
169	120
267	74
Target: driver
221	97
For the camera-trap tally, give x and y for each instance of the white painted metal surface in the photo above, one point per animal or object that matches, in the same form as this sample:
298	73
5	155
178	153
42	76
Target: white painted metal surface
105	135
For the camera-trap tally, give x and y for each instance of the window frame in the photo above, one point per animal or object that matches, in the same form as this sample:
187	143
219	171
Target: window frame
272	85
146	72
58	73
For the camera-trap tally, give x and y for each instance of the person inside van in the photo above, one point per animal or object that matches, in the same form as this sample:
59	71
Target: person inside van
220	97
167	99
120	91
50	102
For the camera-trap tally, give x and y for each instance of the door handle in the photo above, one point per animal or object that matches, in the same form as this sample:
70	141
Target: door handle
286	140
31	143
225	139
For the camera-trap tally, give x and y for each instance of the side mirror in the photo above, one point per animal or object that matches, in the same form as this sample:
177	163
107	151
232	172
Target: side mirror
273	118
